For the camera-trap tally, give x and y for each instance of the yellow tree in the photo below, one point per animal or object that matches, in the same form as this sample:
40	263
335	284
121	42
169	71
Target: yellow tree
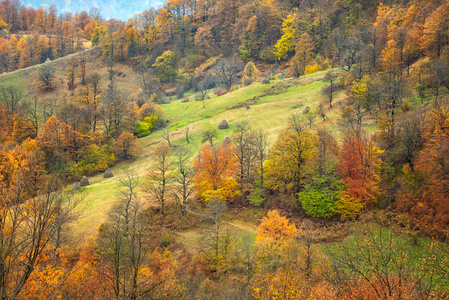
285	44
276	228
290	156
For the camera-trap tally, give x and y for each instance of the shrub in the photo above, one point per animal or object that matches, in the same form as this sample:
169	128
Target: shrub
179	92
220	91
265	80
247	81
256	197
143	128
152	109
310	69
348	207
318	203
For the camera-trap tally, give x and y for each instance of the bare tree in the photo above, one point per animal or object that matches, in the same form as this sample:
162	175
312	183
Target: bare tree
205	84
260	142
94	81
46	77
227	70
245	154
12	98
377	263
160	176
330	90
33	111
410	131
183	187
166	136
125	243
148	80
209	135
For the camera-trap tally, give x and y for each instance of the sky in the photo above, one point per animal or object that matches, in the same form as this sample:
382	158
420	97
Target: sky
118	9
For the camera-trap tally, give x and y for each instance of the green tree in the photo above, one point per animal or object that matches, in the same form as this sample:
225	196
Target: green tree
165	66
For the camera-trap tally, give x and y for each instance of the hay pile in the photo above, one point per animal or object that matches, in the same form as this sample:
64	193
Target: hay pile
223	124
108	174
84	181
76	187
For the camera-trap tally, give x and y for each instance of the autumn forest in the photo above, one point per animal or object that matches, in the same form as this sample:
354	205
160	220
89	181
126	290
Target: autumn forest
225	149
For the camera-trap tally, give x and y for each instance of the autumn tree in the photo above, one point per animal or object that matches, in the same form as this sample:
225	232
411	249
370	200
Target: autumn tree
436	30
303	54
165	66
323	186
423	193
289	157
215	173
125	146
360	167
275	228
28	226
285	45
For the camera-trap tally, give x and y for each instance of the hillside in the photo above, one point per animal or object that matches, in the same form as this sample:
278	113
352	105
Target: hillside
270	113
269	149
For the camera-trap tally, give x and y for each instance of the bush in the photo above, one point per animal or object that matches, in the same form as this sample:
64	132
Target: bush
256	197
152	109
93	159
318	203
348	207
143	128
179	92
220	91
247	81
265	80
310	69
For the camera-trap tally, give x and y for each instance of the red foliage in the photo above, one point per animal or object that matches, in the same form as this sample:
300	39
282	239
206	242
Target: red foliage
360	168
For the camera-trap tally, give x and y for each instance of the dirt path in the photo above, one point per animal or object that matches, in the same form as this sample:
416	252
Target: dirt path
247	227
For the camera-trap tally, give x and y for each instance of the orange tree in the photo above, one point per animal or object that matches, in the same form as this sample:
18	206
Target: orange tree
359	167
215	173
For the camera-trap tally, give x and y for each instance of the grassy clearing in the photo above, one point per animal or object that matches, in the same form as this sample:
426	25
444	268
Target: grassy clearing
269	112
270	107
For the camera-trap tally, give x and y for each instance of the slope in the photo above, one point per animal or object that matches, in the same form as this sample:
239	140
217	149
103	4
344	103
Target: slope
265	107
